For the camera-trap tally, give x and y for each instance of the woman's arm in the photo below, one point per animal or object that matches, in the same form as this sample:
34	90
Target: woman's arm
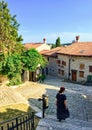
65	103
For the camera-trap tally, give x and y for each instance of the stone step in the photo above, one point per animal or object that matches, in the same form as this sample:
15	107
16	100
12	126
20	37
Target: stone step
51	123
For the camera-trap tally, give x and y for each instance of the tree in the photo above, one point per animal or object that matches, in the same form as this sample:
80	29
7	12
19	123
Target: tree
53	46
58	42
10	44
13	57
8	30
12	66
31	59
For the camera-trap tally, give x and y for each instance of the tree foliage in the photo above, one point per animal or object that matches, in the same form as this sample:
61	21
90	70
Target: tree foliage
58	42
11	66
31	59
13	57
8	30
53	46
10	44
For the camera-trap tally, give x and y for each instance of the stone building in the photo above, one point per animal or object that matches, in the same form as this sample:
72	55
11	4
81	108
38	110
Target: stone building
40	46
73	62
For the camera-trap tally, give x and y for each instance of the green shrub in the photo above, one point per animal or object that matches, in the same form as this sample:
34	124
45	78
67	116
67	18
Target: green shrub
15	80
42	77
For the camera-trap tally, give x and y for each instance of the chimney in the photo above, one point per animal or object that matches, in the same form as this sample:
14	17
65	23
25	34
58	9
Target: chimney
44	40
77	38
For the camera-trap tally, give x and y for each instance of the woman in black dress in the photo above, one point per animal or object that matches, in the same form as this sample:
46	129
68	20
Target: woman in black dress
61	104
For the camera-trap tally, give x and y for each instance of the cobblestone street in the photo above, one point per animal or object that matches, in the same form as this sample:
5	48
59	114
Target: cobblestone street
79	99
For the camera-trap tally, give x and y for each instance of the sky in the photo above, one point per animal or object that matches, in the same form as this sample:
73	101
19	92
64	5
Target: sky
51	19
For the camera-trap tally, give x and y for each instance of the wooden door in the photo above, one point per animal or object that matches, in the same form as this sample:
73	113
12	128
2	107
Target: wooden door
74	75
30	76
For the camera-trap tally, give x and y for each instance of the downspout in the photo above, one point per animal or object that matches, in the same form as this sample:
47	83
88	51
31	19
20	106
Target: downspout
69	68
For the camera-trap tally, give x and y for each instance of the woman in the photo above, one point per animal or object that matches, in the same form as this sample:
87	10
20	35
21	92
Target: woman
61	103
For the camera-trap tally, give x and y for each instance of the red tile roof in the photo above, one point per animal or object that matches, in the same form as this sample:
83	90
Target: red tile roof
32	45
78	49
44	51
75	49
52	52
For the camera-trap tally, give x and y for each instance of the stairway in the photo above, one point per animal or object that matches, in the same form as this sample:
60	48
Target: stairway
51	123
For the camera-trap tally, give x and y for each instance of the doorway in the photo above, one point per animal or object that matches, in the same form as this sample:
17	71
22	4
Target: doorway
74	75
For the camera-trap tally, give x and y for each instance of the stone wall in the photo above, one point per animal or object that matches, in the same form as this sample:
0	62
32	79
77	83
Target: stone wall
52	66
75	63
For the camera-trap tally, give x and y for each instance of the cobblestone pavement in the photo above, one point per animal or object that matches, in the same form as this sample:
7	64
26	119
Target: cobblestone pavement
79	99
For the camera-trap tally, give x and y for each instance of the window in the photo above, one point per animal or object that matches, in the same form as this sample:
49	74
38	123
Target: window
62	66
64	63
82	66
58	65
58	71
62	72
81	73
90	68
58	61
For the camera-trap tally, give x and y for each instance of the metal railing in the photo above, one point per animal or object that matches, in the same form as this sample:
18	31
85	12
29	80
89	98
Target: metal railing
23	122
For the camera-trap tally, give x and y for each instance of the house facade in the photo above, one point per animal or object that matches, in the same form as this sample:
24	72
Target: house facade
52	59
40	46
74	68
73	62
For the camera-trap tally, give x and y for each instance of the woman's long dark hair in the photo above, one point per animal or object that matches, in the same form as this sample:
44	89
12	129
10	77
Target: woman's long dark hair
62	89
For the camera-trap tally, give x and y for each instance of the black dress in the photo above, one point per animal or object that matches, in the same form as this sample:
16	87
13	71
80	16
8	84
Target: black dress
60	106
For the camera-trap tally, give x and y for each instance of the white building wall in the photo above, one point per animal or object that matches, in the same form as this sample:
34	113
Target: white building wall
63	67
75	65
43	47
55	68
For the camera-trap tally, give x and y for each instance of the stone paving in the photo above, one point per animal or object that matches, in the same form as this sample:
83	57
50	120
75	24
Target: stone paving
79	99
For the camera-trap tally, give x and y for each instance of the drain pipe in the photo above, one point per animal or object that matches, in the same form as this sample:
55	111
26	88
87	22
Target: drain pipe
69	68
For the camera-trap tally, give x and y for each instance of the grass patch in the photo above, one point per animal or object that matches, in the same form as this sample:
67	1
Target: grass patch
14	110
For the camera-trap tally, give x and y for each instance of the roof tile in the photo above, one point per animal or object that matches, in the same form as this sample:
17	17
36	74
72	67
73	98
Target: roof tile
76	49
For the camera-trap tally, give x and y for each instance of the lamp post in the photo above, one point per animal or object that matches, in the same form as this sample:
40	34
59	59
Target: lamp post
44	100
